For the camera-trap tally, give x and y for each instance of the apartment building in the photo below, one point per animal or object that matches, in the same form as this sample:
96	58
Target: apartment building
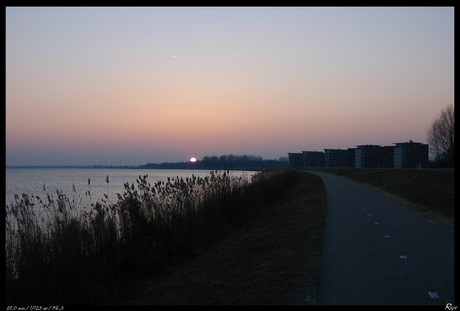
313	158
296	160
336	157
410	155
402	155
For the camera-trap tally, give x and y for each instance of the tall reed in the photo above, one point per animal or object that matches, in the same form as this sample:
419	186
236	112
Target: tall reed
59	251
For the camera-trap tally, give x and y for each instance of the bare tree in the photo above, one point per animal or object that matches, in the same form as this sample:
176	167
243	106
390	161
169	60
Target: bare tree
440	136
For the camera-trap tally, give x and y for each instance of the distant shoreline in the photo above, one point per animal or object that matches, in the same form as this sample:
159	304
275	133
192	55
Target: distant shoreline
223	162
71	166
119	167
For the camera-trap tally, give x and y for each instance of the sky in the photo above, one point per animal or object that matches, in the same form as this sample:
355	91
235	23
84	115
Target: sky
136	85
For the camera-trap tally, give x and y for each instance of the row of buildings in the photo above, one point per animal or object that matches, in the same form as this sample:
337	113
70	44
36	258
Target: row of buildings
402	155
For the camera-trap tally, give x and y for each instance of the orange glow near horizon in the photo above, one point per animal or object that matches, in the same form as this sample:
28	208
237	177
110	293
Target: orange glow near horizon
165	83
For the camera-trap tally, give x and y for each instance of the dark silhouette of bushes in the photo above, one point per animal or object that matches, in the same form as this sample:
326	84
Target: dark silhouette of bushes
224	162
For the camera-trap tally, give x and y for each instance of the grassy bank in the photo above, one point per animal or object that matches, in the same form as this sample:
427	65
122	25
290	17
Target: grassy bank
428	192
57	254
272	257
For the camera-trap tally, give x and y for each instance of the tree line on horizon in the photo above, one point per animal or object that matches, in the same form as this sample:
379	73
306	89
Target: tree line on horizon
224	162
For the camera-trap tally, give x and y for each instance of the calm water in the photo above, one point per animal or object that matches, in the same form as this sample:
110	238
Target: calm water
33	180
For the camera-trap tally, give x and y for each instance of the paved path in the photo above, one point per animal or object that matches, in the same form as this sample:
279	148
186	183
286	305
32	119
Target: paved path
377	252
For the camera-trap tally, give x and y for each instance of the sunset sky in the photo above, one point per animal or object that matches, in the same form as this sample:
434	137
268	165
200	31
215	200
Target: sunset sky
127	86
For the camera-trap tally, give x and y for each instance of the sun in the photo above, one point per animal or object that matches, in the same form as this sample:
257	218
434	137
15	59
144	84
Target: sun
193	159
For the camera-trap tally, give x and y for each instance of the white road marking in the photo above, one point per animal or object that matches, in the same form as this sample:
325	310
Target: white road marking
433	295
376	223
387	237
403	257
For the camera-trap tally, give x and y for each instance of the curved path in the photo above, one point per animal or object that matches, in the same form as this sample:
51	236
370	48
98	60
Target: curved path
377	252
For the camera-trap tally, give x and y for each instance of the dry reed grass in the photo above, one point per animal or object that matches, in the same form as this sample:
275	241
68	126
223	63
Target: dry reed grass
83	255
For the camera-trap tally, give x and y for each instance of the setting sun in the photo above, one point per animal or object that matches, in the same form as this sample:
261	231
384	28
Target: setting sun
193	159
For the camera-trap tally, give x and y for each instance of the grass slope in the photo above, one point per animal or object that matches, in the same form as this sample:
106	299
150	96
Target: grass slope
274	257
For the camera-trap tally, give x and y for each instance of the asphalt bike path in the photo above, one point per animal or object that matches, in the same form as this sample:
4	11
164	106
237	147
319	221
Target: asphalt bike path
377	252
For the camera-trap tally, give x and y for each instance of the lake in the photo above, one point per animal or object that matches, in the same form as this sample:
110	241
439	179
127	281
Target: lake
39	181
